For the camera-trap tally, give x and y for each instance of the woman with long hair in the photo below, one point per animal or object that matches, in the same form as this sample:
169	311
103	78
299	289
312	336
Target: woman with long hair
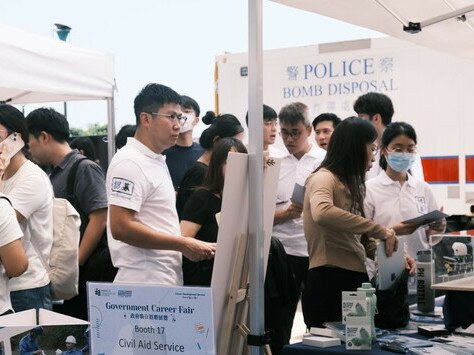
334	221
198	219
221	126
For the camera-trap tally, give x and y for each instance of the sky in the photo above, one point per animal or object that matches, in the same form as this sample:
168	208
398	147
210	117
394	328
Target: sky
172	42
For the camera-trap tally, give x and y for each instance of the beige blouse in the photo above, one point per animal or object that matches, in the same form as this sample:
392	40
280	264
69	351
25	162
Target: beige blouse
331	230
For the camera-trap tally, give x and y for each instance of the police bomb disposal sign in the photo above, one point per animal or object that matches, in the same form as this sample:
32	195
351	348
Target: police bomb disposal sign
144	319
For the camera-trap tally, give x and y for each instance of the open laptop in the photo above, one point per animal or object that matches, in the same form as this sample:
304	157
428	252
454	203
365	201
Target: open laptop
390	267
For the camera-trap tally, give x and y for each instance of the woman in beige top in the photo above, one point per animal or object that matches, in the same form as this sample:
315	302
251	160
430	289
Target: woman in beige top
334	221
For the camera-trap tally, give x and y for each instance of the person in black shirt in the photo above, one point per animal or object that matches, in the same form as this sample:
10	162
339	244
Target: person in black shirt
199	214
222	126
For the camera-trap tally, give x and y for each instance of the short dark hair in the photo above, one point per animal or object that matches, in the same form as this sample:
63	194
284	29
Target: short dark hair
14	121
86	145
347	156
392	131
49	121
153	97
293	113
221	126
269	114
214	180
126	131
373	103
189	102
326	117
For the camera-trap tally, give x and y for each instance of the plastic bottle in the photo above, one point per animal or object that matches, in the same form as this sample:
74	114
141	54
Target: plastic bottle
425	294
58	352
371	305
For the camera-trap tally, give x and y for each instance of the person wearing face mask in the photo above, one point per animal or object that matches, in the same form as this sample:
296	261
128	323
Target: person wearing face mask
378	109
395	195
185	152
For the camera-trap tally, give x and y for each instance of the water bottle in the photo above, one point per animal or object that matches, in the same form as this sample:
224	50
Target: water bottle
425	294
59	352
371	305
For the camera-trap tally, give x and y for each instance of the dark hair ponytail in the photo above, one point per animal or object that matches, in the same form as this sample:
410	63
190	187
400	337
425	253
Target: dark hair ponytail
221	126
209	117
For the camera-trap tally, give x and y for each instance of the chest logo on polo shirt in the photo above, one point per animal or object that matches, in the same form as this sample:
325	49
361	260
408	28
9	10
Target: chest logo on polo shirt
421	205
122	186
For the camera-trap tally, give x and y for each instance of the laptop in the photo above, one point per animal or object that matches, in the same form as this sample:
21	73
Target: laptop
389	268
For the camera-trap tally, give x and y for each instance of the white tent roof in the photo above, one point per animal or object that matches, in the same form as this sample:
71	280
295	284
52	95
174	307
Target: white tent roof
37	69
455	36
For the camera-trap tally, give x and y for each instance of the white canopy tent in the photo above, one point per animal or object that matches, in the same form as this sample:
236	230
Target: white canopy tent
445	25
35	69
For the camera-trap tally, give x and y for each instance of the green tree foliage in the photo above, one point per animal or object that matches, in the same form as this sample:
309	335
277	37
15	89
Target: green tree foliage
94	129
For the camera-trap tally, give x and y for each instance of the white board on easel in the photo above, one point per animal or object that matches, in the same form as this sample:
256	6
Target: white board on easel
234	222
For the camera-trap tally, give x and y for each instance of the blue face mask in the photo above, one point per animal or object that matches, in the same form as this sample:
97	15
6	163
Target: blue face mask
400	162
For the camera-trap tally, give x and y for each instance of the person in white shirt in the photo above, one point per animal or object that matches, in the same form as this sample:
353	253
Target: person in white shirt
270	131
13	260
395	195
300	161
31	194
143	228
324	125
378	109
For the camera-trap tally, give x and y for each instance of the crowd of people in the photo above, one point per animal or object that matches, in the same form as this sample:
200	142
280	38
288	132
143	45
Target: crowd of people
152	217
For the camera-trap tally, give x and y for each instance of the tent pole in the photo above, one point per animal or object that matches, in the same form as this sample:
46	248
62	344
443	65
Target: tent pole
111	126
255	109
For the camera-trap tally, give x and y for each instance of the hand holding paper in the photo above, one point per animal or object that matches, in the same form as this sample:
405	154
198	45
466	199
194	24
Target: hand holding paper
298	194
428	218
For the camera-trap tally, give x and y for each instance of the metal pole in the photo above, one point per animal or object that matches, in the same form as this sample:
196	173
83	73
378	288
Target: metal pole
111	126
65	109
256	236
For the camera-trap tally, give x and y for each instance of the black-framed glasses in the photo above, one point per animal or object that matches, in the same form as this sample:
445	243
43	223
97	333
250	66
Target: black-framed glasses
172	117
293	134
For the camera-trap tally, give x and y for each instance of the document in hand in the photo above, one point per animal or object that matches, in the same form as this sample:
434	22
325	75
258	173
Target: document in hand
428	218
298	194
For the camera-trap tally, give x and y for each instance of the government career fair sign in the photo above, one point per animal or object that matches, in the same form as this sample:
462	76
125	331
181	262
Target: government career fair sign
145	319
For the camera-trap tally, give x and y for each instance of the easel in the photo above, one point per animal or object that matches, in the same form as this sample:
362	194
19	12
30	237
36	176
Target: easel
231	263
235	329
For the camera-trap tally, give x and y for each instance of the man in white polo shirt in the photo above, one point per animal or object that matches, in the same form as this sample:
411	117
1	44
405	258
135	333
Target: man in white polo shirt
143	228
300	161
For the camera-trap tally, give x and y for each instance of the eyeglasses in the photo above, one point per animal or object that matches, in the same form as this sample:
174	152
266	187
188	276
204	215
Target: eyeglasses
172	117
293	134
411	149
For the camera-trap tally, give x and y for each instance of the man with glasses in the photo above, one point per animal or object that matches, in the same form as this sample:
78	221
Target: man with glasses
185	152
378	109
144	235
300	161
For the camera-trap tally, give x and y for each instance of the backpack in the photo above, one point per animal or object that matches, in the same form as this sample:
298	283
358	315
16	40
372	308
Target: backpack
98	266
63	269
64	255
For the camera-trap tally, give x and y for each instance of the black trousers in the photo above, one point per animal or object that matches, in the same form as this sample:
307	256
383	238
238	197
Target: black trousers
322	295
279	311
